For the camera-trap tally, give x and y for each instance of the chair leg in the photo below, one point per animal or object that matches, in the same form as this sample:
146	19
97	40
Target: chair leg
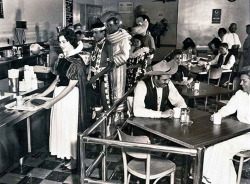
128	178
172	178
240	170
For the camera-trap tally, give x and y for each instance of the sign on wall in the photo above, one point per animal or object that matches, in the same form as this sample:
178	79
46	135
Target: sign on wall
125	7
1	9
216	16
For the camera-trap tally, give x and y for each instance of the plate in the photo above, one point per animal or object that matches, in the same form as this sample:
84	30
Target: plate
27	106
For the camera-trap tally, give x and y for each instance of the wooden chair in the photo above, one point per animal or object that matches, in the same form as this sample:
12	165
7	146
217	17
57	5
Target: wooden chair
244	157
142	164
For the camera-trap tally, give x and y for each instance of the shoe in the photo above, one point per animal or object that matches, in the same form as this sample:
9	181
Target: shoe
73	170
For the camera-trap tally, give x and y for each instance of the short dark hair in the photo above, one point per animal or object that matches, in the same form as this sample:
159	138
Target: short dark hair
223	44
70	36
245	70
188	42
77	24
222	30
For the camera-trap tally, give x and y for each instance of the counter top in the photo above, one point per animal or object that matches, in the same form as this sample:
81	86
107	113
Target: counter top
6	60
9	117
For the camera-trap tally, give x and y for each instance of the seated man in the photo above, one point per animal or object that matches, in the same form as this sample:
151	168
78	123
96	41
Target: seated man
218	166
155	95
224	59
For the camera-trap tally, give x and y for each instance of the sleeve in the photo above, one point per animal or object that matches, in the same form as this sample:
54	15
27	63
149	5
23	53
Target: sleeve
215	60
224	39
174	96
121	57
229	64
231	106
139	104
77	68
78	48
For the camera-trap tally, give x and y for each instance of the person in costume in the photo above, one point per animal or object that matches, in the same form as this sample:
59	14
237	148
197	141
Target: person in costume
119	48
68	102
141	28
136	64
100	66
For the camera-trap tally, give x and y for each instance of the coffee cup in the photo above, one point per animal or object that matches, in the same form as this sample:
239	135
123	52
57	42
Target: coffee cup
217	118
177	112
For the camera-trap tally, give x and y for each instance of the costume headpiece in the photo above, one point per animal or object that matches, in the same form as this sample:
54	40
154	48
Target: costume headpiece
98	26
111	17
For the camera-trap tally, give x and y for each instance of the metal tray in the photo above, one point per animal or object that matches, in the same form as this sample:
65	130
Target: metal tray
27	106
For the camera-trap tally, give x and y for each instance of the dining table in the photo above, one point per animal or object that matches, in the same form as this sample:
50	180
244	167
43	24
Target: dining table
199	134
205	90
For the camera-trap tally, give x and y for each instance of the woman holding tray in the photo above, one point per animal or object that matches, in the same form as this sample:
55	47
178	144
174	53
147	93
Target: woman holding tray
68	102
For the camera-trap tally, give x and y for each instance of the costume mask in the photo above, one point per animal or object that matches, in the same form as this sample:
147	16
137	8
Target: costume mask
141	28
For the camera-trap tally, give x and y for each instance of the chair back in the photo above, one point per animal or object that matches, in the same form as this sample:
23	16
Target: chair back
236	83
215	73
141	154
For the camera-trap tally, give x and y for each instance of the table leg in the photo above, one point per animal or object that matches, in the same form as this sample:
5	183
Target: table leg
185	168
29	135
198	167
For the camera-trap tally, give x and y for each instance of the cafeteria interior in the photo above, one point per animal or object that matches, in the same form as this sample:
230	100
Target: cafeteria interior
111	127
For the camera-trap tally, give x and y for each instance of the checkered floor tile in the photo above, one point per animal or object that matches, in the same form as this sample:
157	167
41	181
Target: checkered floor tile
41	168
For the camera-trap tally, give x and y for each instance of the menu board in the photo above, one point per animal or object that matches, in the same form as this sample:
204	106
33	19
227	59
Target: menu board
1	8
69	12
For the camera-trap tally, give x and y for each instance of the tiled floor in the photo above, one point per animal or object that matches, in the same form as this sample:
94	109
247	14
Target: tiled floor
41	168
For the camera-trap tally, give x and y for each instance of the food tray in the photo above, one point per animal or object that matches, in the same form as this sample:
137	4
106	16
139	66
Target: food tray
27	106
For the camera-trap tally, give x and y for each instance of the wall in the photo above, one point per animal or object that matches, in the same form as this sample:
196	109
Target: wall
169	11
42	19
195	17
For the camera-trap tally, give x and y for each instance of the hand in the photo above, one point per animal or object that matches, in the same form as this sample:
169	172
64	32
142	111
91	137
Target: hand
201	63
167	114
48	104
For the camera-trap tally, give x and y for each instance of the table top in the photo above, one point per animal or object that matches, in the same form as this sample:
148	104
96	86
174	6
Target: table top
204	91
201	133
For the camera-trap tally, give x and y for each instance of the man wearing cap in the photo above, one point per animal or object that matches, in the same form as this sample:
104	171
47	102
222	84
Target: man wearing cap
155	95
100	66
218	165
